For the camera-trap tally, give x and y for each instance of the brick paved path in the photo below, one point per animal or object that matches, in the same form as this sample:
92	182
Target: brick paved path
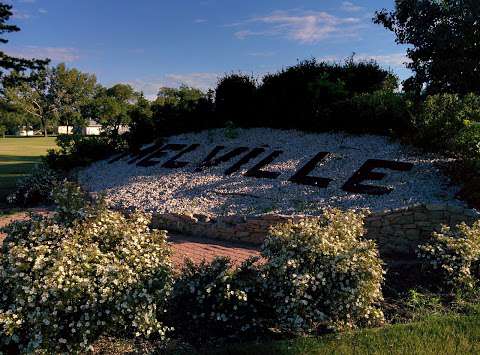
198	249
183	247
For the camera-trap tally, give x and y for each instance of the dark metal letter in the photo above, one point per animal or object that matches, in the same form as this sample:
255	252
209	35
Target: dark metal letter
366	173
144	152
209	161
249	156
149	160
262	174
174	164
301	176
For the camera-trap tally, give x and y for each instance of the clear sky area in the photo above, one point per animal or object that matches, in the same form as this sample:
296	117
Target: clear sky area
154	43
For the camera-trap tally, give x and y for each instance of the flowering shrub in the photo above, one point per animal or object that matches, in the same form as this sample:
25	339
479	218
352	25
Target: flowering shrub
214	300
35	188
323	273
64	284
454	255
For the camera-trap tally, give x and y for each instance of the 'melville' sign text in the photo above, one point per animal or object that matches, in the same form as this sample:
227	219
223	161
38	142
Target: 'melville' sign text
241	156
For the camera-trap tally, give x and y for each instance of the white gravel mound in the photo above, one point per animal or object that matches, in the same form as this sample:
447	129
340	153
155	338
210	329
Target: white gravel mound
210	192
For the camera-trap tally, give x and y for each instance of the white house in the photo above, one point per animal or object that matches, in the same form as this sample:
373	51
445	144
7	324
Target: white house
93	128
25	132
65	130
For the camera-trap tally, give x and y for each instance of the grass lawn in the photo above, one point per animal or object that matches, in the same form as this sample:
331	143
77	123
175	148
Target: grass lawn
452	334
17	157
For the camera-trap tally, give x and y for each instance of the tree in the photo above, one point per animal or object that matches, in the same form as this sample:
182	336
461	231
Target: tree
142	125
70	91
183	109
54	95
32	98
235	99
444	40
183	97
9	64
111	108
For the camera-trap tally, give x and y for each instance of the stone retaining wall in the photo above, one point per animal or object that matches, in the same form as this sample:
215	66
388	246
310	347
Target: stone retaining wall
397	232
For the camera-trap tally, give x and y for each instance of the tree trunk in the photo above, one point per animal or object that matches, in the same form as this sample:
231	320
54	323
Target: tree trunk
44	124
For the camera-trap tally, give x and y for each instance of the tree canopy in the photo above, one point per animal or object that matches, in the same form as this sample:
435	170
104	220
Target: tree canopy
9	64
444	40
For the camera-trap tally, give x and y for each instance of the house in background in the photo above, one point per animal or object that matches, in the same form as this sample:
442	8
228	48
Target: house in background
65	129
25	132
93	128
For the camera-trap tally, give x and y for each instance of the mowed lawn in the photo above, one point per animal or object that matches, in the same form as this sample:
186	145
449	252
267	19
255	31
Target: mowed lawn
452	334
17	158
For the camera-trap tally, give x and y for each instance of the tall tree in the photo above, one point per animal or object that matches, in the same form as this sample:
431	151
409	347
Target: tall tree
183	97
33	98
111	108
70	91
444	40
9	64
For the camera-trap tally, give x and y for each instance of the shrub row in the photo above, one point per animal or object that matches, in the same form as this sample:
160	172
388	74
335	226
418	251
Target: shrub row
88	271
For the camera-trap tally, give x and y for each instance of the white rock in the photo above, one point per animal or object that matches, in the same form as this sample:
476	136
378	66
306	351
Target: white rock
157	189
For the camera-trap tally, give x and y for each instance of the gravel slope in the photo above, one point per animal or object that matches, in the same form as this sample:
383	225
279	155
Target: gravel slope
158	189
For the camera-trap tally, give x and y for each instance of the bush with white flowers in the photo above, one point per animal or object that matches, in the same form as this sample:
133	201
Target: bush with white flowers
216	301
323	274
35	188
65	280
453	256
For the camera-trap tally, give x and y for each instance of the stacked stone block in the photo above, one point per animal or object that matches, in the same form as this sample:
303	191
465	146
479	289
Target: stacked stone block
397	232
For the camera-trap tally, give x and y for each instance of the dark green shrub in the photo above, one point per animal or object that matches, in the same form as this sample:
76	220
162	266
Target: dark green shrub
235	99
307	96
35	188
182	114
214	301
77	151
443	117
142	125
467	144
380	112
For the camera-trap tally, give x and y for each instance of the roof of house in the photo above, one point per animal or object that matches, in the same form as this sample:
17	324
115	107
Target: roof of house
93	123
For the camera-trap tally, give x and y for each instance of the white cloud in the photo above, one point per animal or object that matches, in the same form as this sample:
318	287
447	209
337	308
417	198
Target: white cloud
350	7
300	26
57	54
200	80
42	11
20	15
199	20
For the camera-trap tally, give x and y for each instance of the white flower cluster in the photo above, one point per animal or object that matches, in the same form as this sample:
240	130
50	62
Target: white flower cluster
323	273
454	253
35	188
65	283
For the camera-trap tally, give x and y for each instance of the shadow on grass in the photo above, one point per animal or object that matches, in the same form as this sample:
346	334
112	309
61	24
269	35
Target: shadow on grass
15	158
17	169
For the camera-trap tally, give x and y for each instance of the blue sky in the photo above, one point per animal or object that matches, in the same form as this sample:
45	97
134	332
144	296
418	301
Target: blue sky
150	43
